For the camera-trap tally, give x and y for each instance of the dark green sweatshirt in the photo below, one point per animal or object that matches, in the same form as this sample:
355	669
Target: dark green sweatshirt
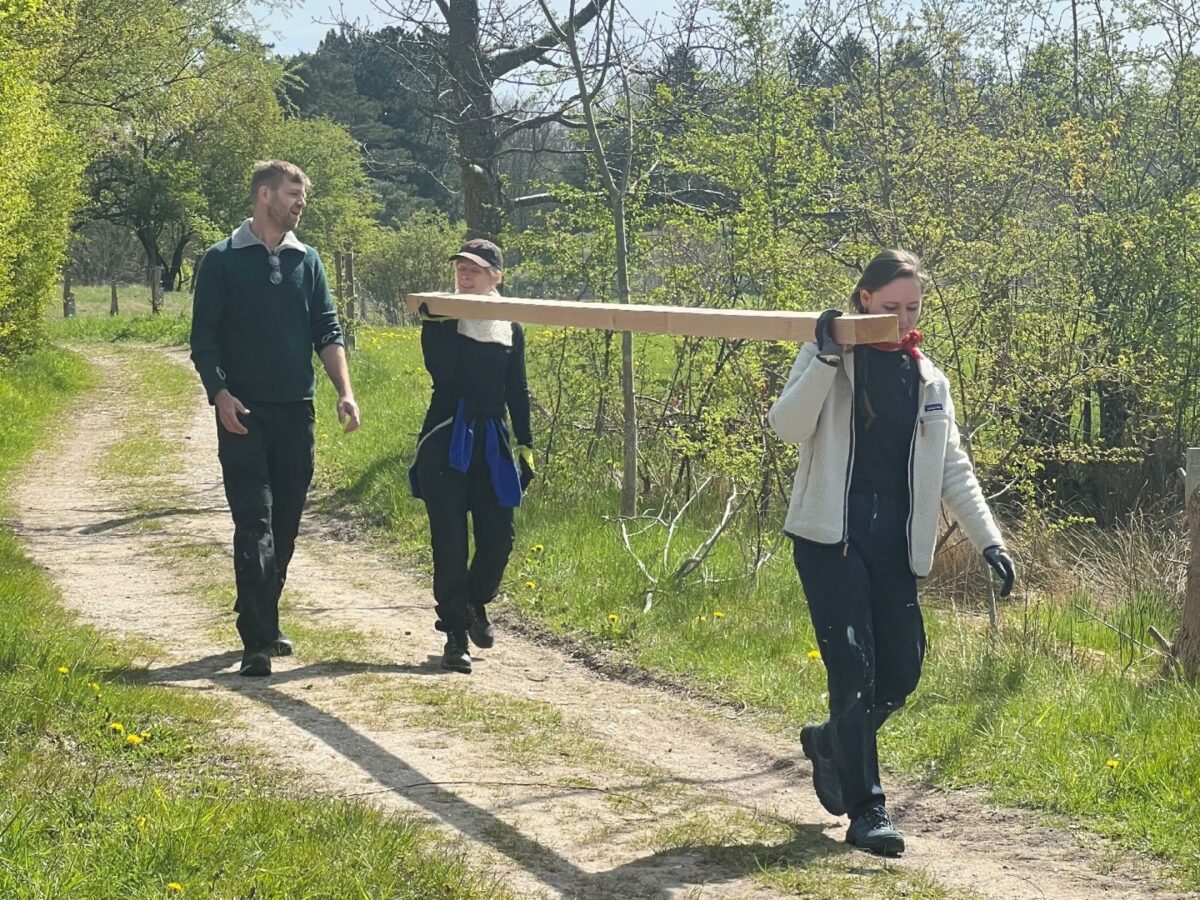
256	338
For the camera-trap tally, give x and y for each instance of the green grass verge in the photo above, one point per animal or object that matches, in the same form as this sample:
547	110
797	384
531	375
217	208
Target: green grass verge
110	788
1092	736
95	301
162	329
134	323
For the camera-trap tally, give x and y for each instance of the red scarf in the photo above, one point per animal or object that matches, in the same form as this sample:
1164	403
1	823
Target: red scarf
908	342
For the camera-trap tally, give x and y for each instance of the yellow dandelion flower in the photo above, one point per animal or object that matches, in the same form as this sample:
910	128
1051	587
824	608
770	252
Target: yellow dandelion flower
814	654
1113	763
537	548
63	670
717	614
531	585
94	686
117	727
133	739
175	886
613	618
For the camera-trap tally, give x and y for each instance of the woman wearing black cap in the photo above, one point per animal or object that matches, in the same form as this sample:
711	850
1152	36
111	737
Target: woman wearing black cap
880	453
466	460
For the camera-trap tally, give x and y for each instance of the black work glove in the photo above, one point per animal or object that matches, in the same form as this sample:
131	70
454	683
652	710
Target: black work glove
826	346
997	557
427	316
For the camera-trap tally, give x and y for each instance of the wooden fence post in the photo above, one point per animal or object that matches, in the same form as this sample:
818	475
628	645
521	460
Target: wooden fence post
113	308
351	319
337	265
361	308
156	290
1186	647
68	297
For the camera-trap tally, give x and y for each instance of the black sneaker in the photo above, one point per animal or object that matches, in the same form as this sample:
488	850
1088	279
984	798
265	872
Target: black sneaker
826	782
455	657
281	646
255	663
480	628
874	832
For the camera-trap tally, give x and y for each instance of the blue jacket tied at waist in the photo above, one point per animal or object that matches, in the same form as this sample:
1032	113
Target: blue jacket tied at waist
497	452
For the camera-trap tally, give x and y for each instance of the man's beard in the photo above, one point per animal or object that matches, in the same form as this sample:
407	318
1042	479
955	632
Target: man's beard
283	217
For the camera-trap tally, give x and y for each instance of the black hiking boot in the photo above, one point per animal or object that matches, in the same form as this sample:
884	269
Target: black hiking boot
455	657
281	646
255	663
480	628
874	832
826	783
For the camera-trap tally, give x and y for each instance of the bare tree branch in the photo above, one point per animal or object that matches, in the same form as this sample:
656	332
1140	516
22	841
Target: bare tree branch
505	61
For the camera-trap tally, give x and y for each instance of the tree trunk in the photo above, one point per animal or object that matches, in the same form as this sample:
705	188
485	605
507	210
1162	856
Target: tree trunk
173	271
478	142
629	484
153	257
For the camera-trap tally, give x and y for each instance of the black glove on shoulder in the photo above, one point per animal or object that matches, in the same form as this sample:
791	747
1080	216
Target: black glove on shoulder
826	346
427	316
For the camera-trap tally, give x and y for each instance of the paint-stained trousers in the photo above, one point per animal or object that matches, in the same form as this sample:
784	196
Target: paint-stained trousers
266	473
459	580
862	597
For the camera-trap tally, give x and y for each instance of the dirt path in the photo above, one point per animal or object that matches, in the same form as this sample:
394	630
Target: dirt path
560	781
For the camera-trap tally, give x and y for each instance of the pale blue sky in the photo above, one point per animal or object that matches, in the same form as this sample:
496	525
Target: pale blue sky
302	24
305	23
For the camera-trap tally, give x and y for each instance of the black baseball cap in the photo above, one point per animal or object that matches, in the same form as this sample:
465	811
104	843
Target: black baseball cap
482	253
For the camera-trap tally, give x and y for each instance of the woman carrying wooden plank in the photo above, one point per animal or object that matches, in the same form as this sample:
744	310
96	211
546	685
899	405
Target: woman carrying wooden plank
466	462
880	452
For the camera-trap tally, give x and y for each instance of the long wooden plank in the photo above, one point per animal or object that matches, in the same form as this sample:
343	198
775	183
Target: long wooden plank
751	324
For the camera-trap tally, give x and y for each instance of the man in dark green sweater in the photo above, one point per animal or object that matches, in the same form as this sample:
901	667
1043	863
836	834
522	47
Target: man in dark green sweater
262	306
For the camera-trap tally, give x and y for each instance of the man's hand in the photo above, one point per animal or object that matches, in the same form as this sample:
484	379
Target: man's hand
333	358
1002	565
229	408
347	411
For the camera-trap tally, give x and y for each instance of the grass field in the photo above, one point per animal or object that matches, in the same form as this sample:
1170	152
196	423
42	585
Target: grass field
132	300
1060	713
108	788
1055	714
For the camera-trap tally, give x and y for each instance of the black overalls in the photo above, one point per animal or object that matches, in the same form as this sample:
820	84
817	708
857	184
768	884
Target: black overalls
465	463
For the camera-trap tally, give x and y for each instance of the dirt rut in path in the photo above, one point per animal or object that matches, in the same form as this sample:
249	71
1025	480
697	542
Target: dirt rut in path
562	782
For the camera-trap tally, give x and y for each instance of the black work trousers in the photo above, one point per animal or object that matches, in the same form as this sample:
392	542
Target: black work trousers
449	495
267	473
862	597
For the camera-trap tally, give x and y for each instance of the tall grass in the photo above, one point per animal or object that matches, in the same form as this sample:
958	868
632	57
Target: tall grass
109	788
95	300
1059	712
134	323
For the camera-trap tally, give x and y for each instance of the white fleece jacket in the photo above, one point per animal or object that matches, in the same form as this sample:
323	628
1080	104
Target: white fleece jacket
816	411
